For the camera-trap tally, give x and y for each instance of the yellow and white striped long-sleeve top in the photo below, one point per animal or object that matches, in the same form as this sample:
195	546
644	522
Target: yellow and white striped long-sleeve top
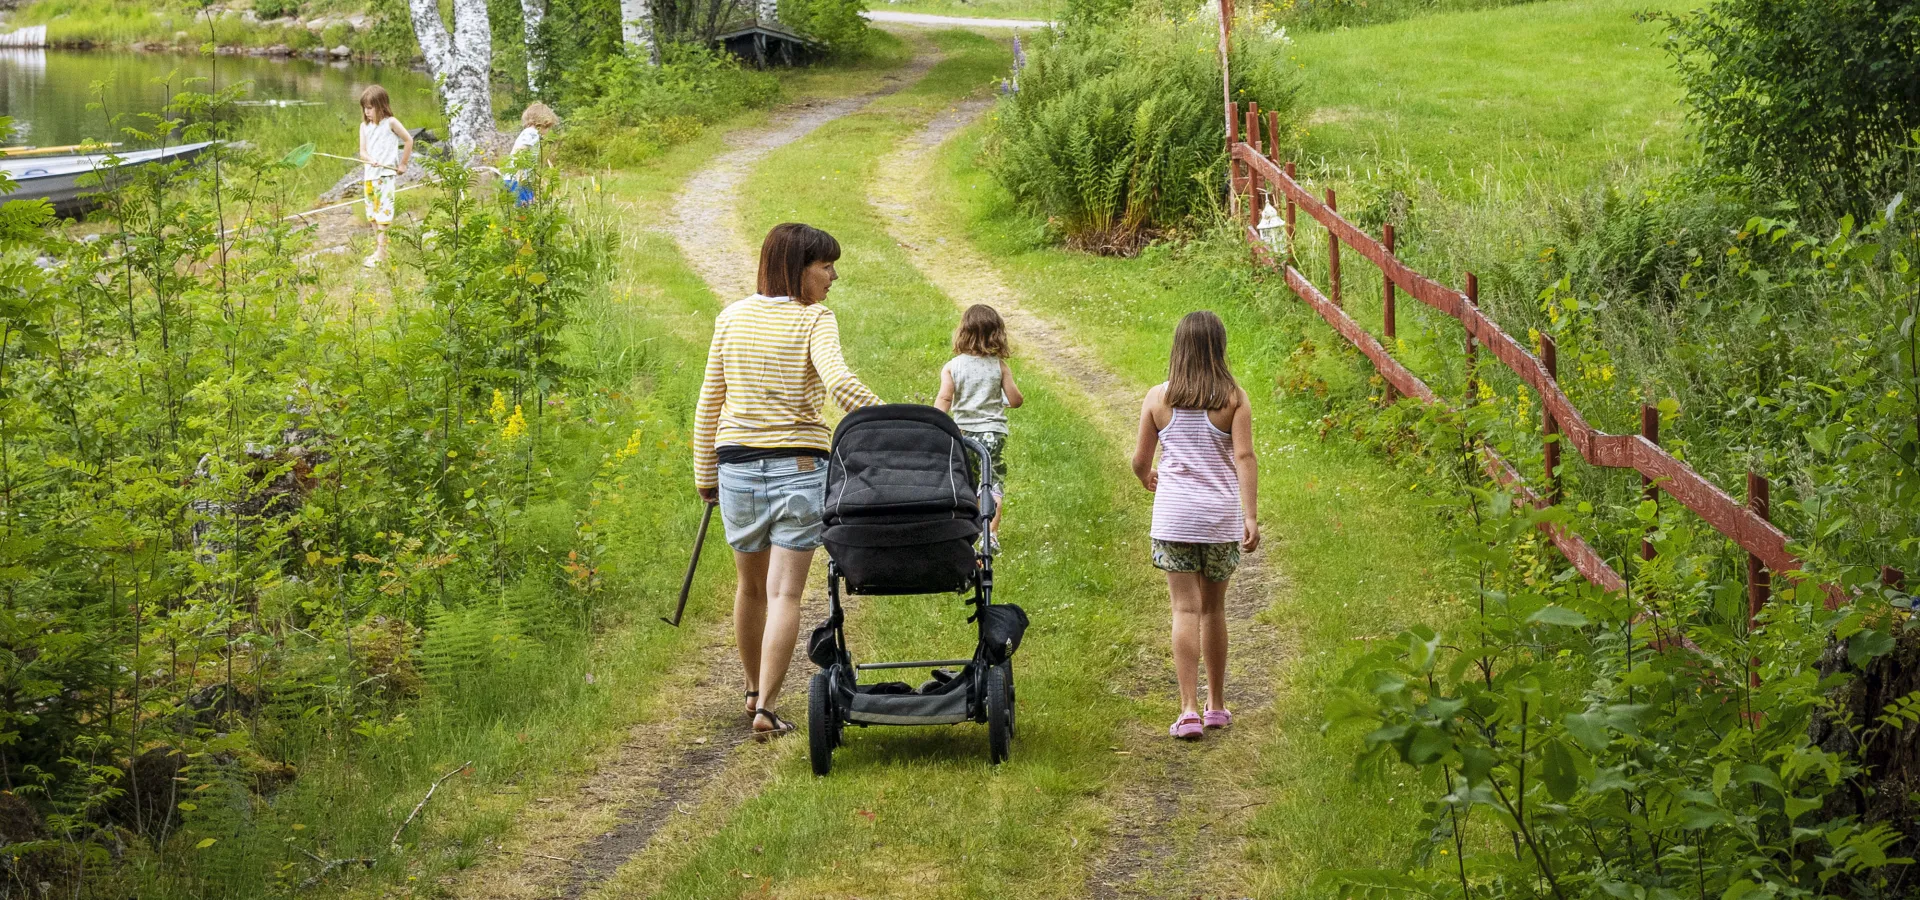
772	362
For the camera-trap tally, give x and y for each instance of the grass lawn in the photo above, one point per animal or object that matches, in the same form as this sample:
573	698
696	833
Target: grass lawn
989	9
1492	101
920	808
542	720
1355	554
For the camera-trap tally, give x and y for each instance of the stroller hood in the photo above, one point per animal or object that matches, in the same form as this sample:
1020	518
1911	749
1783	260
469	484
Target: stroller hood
896	464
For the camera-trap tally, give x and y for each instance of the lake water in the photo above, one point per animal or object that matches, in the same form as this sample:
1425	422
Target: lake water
46	92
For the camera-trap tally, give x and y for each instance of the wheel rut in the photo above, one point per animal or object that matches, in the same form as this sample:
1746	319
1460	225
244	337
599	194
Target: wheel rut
1163	790
677	778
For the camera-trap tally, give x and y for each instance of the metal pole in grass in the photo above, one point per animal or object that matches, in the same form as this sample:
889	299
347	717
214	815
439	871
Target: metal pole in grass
1253	174
1333	253
1226	97
1649	429
1549	427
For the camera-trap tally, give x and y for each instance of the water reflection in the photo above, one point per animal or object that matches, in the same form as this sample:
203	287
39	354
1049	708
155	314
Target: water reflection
47	92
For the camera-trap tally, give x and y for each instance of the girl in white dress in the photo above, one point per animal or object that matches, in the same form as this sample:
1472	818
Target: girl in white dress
385	148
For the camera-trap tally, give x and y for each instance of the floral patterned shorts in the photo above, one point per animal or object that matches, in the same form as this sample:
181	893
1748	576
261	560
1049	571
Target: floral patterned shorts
996	444
1214	562
379	193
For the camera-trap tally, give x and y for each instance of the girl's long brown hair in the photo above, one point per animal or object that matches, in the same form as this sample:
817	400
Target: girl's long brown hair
376	97
981	333
1197	373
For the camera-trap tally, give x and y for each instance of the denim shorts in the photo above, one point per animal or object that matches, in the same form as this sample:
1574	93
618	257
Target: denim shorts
775	502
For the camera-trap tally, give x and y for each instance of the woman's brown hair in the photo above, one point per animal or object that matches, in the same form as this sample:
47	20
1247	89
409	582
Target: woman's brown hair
376	97
981	333
788	250
1197	373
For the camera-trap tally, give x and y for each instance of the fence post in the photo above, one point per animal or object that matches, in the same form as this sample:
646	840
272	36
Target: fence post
1226	97
1273	136
1386	309
1236	181
1759	580
1473	351
1549	428
1333	253
1649	429
1253	174
1292	260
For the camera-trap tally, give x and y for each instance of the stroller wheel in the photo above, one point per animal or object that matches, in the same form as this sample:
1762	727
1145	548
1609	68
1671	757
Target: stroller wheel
1000	713
823	729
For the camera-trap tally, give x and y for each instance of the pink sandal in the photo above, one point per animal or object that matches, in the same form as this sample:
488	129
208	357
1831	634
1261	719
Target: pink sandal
1218	718
1187	728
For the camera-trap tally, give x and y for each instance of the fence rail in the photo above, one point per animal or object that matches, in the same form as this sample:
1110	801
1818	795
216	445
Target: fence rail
1257	175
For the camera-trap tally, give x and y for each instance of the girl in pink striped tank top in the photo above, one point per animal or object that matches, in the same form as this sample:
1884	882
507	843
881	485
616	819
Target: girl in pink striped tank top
1205	505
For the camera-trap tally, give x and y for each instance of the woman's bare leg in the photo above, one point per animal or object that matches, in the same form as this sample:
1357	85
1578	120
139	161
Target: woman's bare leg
750	613
1213	640
786	579
1188	602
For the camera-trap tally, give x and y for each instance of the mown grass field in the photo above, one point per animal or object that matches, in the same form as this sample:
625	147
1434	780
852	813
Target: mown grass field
1501	102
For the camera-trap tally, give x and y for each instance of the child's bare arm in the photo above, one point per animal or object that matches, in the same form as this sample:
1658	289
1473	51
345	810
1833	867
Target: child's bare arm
1014	397
944	402
1247	466
406	142
1149	441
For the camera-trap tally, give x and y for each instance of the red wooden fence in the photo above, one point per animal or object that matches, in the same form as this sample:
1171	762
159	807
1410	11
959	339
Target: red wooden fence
1256	173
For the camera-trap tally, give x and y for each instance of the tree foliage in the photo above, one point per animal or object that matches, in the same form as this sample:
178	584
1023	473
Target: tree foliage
1812	98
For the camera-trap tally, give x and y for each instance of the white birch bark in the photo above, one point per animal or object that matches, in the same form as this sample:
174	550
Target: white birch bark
532	13
461	64
769	12
636	28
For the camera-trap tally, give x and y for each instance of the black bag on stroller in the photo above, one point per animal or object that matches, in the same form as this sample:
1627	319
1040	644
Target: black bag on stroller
904	514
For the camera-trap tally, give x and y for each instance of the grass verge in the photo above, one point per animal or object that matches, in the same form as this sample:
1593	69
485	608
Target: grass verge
1356	555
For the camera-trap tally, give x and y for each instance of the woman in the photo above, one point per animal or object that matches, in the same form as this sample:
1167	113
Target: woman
760	446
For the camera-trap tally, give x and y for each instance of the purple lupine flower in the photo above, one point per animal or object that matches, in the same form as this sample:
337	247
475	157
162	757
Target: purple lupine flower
1019	56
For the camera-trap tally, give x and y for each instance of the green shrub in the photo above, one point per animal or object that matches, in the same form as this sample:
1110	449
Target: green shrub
1329	14
1814	99
622	109
1115	133
276	9
836	23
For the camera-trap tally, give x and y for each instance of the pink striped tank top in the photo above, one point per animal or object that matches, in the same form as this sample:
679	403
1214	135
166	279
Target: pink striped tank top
1198	498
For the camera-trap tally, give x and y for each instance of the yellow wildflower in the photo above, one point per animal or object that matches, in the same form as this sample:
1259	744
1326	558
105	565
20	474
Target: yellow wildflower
516	424
631	449
498	409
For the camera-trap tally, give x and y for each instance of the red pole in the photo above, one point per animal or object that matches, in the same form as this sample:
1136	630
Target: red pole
1333	253
1386	314
1273	135
1759	581
1649	429
1236	176
1550	429
1473	351
1291	259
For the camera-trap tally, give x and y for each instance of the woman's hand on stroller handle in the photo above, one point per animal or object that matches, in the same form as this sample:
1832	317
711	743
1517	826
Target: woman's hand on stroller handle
708	494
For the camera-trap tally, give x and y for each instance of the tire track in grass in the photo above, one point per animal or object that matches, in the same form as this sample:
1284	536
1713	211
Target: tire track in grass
668	772
1151	795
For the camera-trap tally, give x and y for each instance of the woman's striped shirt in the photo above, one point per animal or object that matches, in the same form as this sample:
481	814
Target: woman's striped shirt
771	365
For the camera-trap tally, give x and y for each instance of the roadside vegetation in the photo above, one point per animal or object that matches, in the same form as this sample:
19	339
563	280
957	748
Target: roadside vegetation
1757	295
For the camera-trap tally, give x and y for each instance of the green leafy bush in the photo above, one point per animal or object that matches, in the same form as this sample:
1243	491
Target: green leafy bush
622	110
1814	100
836	23
1115	133
276	9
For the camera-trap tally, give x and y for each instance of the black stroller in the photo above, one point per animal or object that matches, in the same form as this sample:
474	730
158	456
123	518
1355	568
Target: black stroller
903	516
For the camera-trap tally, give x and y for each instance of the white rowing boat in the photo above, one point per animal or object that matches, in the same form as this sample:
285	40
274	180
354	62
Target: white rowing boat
57	179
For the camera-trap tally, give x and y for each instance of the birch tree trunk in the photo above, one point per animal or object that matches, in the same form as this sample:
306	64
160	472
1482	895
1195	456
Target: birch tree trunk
636	28
769	12
461	64
532	13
